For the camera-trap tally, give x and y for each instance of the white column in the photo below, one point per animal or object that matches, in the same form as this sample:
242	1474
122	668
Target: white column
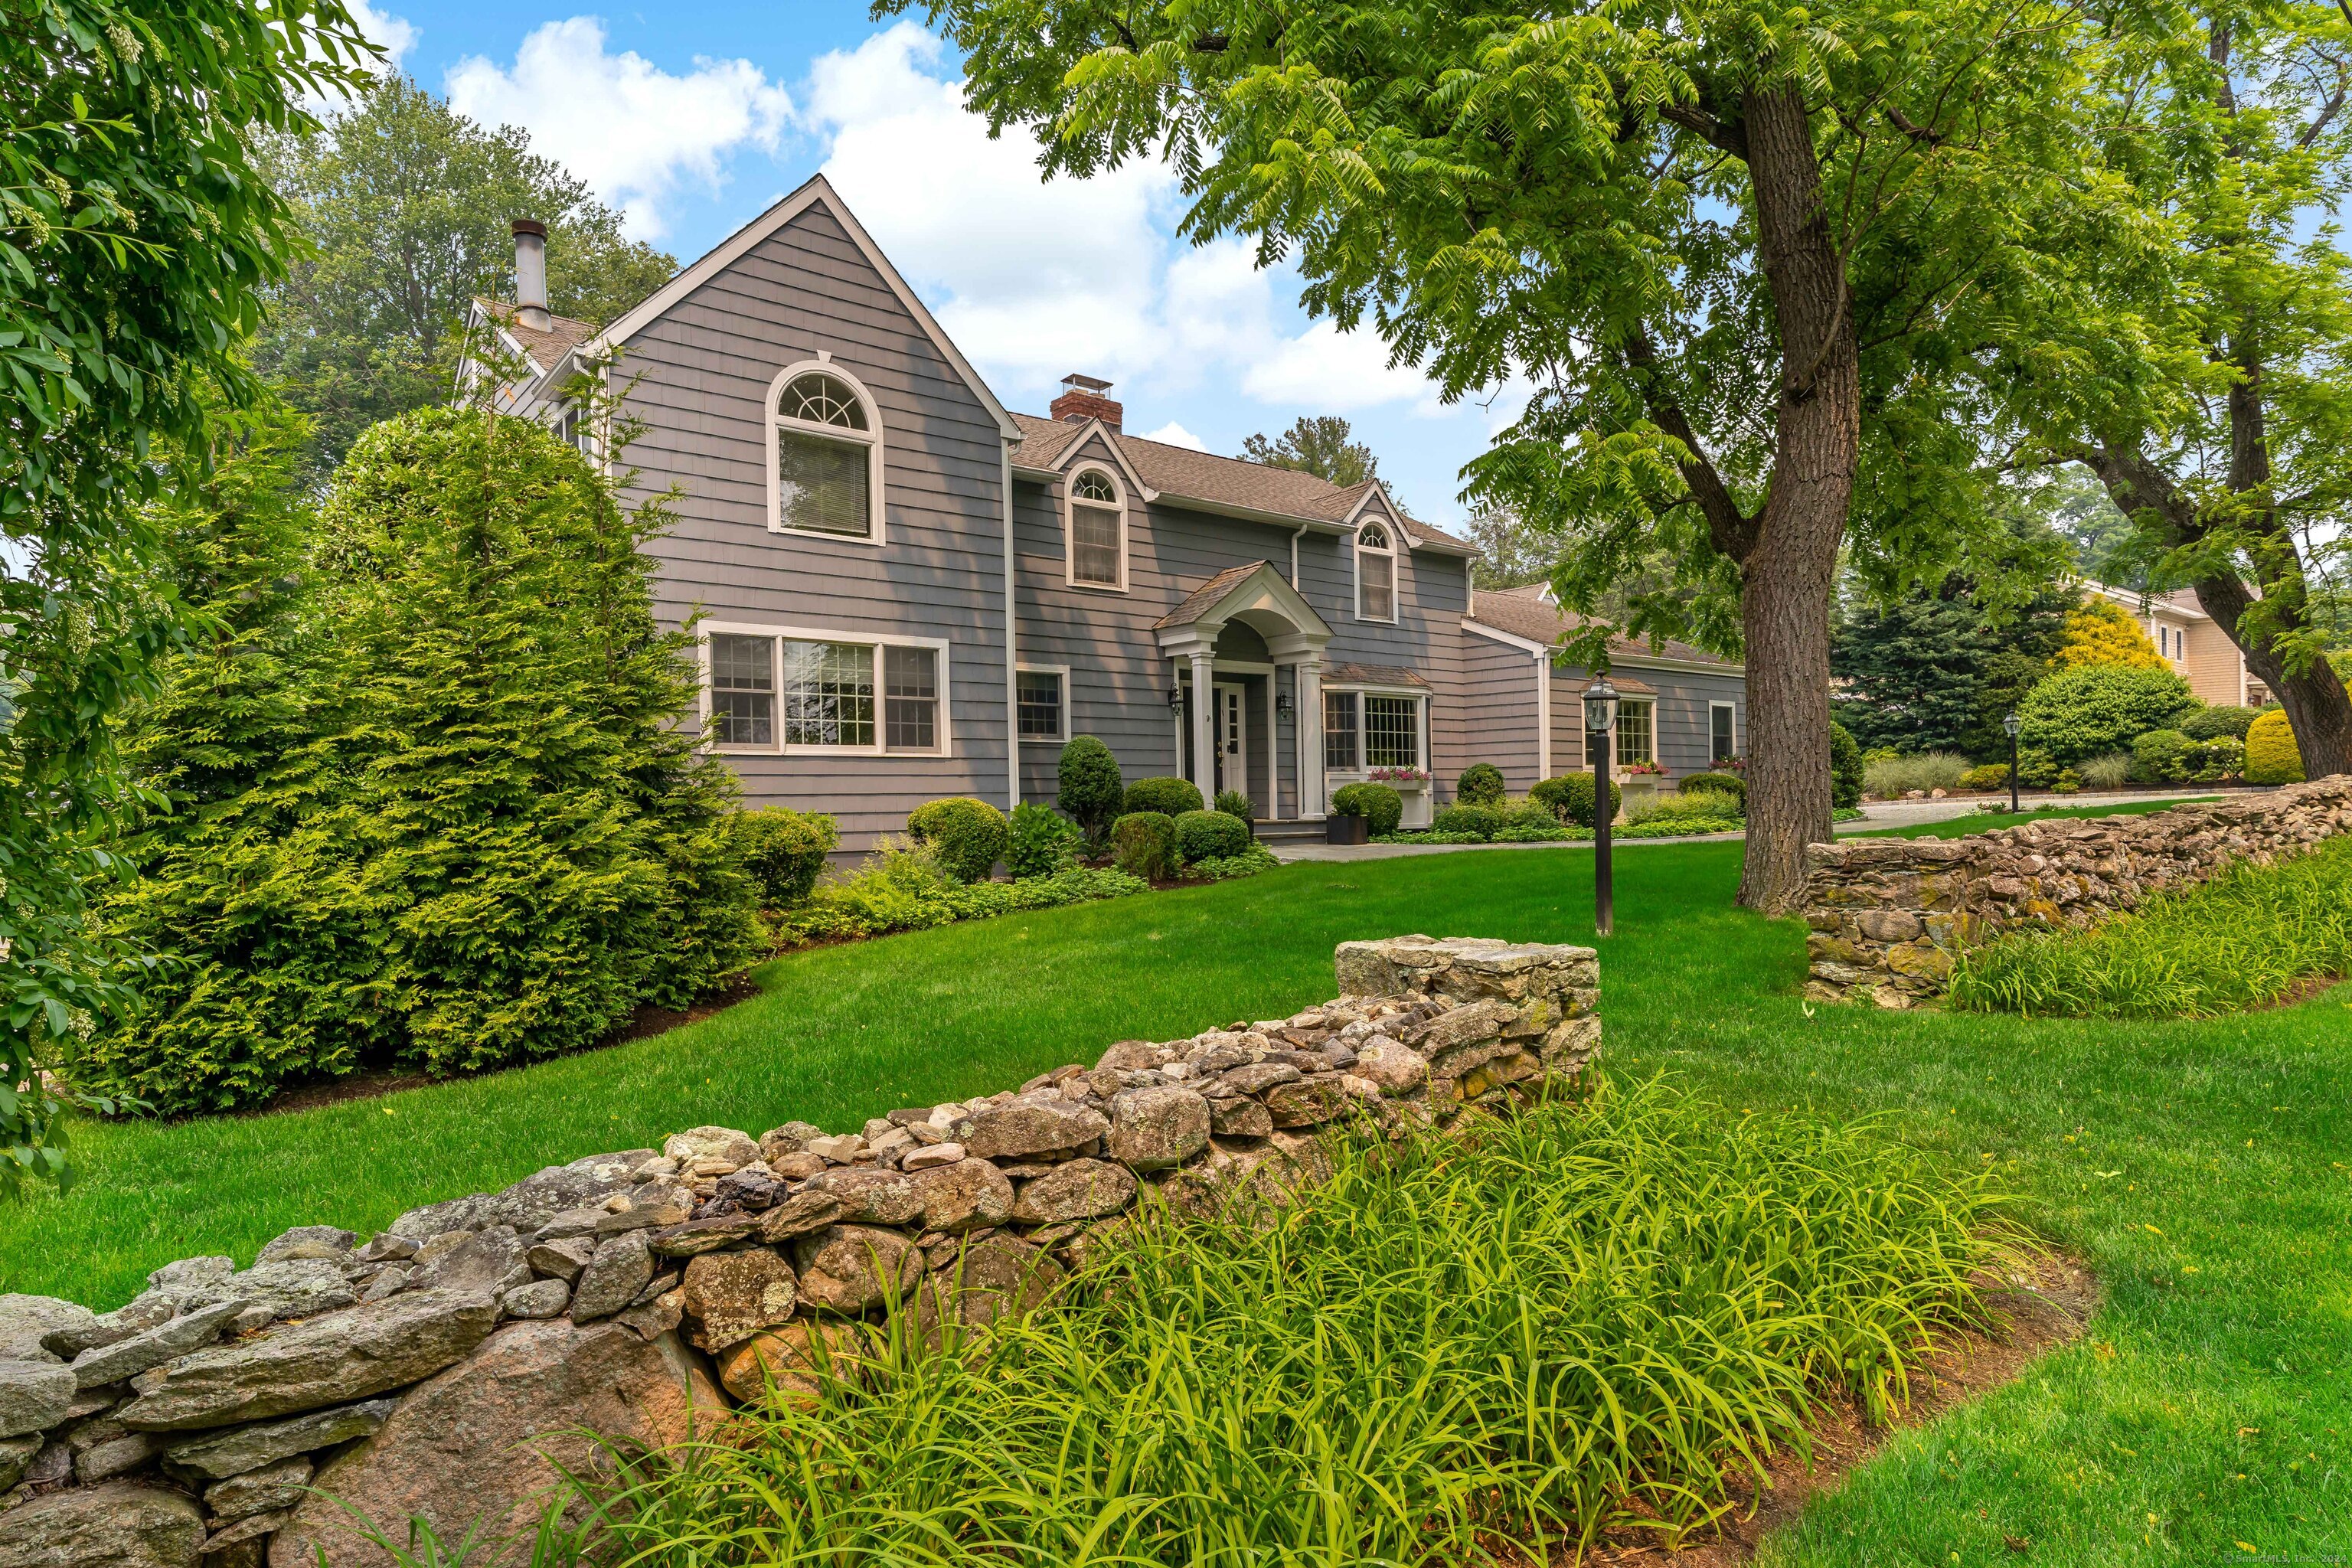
1273	802
1311	803
1204	723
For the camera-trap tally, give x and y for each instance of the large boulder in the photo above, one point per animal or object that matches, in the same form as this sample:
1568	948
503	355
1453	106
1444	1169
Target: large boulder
120	1525
344	1356
1033	1124
1154	1129
483	1441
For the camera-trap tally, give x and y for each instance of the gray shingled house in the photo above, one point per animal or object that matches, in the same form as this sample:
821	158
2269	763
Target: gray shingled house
906	591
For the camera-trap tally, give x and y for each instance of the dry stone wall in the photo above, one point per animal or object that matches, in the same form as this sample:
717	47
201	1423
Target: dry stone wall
439	1369
1887	915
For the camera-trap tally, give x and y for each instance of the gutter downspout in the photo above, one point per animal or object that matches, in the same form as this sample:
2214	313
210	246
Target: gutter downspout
1011	649
1295	535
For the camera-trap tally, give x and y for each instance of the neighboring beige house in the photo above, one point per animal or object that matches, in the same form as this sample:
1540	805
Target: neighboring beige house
2193	642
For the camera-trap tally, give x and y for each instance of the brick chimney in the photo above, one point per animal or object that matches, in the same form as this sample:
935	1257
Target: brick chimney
1082	399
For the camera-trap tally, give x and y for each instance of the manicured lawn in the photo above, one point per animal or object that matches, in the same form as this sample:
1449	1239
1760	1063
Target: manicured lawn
2204	1170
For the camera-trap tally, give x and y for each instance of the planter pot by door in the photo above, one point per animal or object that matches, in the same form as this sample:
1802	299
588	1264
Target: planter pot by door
1347	831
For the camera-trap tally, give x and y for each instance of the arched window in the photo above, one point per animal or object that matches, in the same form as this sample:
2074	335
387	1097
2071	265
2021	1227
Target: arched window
825	455
1375	574
1097	527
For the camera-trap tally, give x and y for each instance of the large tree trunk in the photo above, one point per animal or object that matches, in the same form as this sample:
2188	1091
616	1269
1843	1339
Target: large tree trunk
2317	708
1786	574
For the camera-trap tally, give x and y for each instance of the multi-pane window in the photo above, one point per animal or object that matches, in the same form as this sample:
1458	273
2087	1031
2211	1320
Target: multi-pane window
1375	575
744	690
1725	744
1096	525
824	450
828	693
1339	734
1637	739
1391	732
911	699
1040	703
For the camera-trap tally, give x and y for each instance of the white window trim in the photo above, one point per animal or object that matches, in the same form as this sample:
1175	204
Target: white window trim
708	629
1063	670
1713	703
1396	572
1069	527
871	437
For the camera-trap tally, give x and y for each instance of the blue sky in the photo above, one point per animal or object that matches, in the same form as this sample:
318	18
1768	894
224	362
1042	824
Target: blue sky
691	117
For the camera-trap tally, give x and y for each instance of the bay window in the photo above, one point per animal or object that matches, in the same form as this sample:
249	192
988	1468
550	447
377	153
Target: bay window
1637	739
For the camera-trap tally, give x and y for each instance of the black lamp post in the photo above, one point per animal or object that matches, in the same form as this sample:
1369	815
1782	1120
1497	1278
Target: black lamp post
1600	722
2012	725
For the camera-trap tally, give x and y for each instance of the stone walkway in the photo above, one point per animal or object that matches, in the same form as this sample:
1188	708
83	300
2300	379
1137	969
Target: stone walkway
1877	816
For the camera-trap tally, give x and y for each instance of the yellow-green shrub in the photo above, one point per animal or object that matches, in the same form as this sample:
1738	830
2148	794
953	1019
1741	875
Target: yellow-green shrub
2272	755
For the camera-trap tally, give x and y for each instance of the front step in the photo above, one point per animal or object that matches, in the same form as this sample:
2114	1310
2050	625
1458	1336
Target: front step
1291	832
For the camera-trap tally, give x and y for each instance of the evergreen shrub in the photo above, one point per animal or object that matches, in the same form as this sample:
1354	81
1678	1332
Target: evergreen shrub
1989	775
1234	804
1090	790
1040	842
1481	783
967	834
1144	844
784	850
1167	796
1381	807
1477	822
1731	785
2091	709
2272	755
2165	756
1846	766
1569	798
1209	835
2212	723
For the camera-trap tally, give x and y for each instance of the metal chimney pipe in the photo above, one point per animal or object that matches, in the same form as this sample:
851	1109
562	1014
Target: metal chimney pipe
530	274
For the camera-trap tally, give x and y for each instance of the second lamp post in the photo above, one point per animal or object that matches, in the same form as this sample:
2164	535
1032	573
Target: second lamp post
1600	722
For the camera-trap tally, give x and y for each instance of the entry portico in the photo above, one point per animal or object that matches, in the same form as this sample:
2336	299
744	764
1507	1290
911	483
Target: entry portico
1213	740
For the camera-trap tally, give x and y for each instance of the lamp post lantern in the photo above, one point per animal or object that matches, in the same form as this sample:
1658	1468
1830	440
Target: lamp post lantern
1600	725
2011	724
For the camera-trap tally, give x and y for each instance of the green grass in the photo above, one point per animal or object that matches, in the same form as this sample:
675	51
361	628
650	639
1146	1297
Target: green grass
2244	940
2203	1169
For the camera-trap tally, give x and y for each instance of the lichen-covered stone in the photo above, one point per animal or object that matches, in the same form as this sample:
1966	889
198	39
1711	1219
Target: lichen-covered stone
1032	1124
1154	1129
218	1454
853	1268
1077	1189
123	1524
732	1296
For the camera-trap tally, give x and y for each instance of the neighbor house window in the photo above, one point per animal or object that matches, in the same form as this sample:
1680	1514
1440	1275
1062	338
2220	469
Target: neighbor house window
1637	739
1043	704
1097	531
1339	733
788	691
826	456
1725	744
1391	732
1375	574
744	690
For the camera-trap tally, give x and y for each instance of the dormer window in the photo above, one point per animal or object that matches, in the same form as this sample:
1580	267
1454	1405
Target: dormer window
1375	574
824	454
1096	529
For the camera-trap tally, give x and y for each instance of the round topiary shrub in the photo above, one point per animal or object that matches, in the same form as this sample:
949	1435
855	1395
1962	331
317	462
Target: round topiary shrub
968	835
2272	755
784	850
1381	807
2212	723
1233	802
2092	710
1731	785
1469	821
1144	844
1989	775
2164	756
1481	783
1846	766
1569	798
1091	792
1041	842
1169	797
1209	835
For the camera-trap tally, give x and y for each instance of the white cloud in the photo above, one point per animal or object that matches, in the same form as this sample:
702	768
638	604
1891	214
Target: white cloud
635	132
395	36
1335	371
1174	434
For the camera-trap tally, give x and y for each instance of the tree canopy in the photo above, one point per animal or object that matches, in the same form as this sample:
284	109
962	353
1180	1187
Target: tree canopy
1323	446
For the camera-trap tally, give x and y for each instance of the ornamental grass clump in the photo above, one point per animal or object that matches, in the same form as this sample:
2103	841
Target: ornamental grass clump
1457	1349
2244	939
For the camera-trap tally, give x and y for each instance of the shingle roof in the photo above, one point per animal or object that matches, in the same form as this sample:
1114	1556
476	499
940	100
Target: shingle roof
1204	476
1526	613
544	348
1370	675
1198	603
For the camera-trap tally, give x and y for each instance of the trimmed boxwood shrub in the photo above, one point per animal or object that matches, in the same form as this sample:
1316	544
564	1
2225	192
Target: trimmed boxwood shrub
1475	821
1040	842
2212	723
1731	785
1481	783
1144	844
1209	835
1169	797
784	850
1569	798
2272	755
2164	756
2092	710
1090	794
968	835
1377	805
1846	766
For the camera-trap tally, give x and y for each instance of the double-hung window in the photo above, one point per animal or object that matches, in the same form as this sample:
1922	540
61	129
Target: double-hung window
826	456
794	691
1723	741
1375	574
1340	750
1098	544
1637	738
1043	702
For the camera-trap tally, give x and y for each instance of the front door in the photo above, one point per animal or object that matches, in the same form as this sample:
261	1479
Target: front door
1232	739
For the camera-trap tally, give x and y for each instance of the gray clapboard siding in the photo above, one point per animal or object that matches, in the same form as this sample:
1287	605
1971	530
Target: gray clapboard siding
1498	713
